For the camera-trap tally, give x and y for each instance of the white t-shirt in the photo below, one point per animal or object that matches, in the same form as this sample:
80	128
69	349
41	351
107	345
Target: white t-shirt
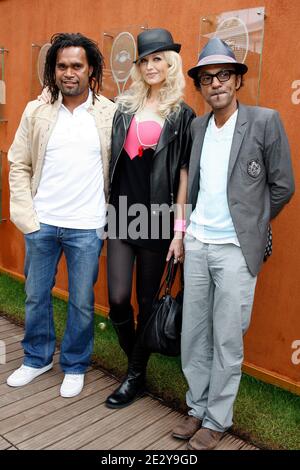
71	190
211	221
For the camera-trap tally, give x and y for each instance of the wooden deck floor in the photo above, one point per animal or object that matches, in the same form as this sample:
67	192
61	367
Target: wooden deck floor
36	417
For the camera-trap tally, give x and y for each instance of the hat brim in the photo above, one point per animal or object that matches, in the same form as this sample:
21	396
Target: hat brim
240	68
171	47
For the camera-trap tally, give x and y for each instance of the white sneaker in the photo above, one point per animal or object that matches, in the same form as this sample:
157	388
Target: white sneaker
26	374
72	385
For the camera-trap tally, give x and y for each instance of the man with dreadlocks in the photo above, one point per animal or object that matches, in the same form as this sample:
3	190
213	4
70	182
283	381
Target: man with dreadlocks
58	178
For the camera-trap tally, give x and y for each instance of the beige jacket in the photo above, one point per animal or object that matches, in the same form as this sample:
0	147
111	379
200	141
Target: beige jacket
27	153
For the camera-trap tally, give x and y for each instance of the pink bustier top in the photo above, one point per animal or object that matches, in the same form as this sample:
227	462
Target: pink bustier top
141	135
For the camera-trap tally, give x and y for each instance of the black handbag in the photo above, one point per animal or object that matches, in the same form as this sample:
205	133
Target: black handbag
162	332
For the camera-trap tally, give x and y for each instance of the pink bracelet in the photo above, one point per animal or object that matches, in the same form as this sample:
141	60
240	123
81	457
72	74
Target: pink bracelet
179	225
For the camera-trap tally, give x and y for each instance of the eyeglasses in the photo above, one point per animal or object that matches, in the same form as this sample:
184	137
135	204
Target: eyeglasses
223	76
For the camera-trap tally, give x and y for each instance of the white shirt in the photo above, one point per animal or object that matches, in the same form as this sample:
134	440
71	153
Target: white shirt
71	190
211	221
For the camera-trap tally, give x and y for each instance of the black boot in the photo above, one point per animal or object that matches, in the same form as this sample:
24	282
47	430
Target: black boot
126	335
133	386
125	330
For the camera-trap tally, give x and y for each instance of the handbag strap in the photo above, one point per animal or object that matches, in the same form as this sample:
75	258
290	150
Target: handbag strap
171	274
169	278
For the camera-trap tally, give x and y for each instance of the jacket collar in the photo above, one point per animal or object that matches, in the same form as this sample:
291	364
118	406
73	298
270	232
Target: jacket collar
202	126
127	118
238	136
102	111
198	142
169	132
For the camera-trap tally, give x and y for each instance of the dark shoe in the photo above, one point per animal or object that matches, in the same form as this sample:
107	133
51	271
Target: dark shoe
187	428
134	384
130	389
205	439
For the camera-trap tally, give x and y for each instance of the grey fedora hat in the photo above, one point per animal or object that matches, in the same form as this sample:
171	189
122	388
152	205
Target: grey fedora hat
217	52
155	40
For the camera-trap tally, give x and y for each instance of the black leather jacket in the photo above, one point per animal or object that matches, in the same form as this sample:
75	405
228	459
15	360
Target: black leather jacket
172	153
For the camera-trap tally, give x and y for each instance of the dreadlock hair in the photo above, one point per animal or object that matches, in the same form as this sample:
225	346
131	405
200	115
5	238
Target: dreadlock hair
95	59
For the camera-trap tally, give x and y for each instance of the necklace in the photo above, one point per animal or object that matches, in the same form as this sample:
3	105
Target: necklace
142	146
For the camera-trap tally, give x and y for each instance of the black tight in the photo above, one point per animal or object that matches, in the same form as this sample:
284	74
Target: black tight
149	270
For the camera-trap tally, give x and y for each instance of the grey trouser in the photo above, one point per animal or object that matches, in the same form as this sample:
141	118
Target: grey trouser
218	298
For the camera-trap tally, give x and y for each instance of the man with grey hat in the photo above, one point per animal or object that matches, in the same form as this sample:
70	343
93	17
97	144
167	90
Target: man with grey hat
240	178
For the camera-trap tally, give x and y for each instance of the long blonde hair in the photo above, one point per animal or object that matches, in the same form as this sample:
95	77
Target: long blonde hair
170	93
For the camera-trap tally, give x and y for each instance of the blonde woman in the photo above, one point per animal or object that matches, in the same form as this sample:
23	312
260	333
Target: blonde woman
148	175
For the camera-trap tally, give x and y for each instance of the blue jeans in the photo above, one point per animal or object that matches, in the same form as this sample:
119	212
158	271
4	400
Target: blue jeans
43	252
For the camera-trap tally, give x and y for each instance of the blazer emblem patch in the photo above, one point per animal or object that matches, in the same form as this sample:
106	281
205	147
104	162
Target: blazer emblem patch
254	168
